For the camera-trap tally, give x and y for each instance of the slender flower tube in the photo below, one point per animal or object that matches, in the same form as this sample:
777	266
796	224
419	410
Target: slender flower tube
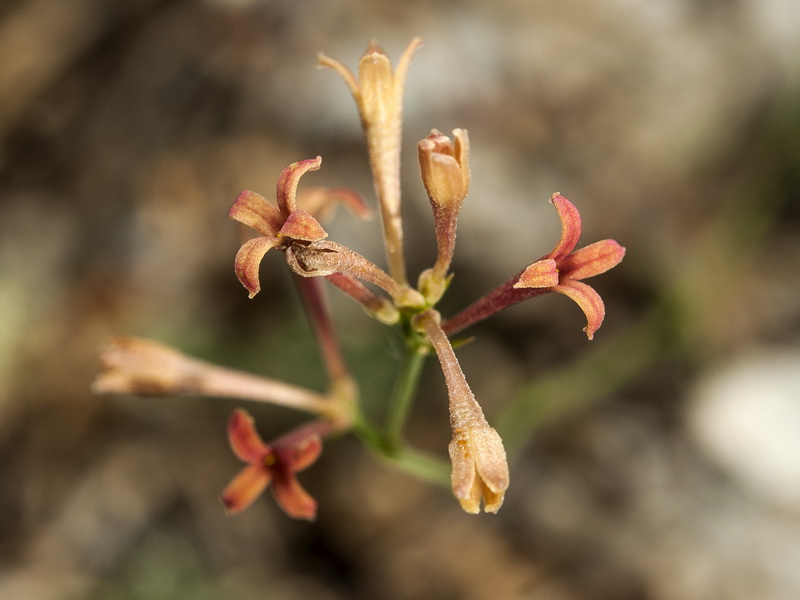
325	258
480	469
560	270
446	176
380	308
378	93
147	368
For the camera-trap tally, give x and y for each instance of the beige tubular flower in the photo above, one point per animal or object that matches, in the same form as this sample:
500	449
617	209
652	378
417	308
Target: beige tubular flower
378	93
480	469
131	365
445	173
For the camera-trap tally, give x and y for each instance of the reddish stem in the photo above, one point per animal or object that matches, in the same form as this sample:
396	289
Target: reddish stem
320	317
503	296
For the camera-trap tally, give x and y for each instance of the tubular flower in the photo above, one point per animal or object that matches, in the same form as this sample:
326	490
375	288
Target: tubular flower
480	469
378	93
445	173
275	463
136	366
563	268
560	270
282	224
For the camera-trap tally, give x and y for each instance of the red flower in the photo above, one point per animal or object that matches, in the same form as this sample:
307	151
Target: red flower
561	270
282	223
275	463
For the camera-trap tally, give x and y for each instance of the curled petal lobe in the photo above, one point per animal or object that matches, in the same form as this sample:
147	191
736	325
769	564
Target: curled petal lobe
541	274
254	210
293	498
402	66
288	180
302	226
570	227
244	439
592	260
248	261
322	201
245	488
588	300
302	454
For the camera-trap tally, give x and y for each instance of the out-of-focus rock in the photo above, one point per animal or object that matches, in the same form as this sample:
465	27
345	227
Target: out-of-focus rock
746	416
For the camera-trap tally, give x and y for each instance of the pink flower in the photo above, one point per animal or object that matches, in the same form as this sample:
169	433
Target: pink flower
282	224
562	269
274	463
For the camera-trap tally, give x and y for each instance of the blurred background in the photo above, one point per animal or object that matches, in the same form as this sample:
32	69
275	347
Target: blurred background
659	461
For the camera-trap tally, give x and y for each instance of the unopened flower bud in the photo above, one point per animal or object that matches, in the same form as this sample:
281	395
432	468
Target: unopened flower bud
445	168
445	173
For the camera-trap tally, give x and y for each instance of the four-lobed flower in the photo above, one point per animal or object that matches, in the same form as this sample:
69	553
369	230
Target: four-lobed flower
563	268
279	224
276	464
560	270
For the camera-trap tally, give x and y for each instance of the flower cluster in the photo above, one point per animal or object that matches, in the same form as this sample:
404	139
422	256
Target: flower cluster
291	225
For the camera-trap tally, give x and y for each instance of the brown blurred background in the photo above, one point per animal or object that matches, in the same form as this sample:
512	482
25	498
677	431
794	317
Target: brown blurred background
660	461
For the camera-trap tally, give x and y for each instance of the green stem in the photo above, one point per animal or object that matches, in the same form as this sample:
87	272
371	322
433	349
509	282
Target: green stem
405	389
423	465
420	464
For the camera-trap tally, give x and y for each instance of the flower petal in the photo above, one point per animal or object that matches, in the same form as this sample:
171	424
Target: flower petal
376	85
303	454
137	366
490	459
288	180
322	201
255	211
245	488
592	260
244	439
541	274
464	475
402	67
492	501
570	227
302	226
292	498
248	262
588	299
